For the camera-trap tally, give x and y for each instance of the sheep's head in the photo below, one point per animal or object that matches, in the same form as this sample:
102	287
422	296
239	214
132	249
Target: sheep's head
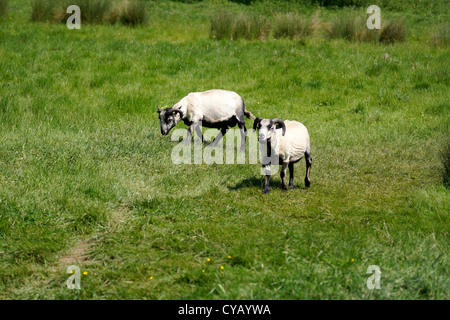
168	119
266	128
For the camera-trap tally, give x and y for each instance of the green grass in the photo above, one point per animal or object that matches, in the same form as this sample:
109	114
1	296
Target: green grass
86	177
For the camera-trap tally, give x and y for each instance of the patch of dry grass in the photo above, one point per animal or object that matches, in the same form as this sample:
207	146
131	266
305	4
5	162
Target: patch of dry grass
292	25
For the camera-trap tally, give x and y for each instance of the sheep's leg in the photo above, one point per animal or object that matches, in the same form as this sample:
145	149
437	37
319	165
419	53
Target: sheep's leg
308	168
291	175
266	185
283	175
216	140
243	130
199	132
189	134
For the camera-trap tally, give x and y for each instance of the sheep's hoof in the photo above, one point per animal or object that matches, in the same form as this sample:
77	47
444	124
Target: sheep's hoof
265	191
284	190
291	187
307	183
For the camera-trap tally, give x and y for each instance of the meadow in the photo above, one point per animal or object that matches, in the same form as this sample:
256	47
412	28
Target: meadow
86	178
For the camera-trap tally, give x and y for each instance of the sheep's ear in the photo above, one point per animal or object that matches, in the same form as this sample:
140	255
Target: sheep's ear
283	128
280	122
159	110
255	124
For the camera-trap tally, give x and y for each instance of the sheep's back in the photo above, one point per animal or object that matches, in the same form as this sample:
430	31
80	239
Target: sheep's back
213	105
294	143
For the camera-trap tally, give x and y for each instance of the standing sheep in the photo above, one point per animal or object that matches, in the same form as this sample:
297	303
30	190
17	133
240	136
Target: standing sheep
289	143
215	108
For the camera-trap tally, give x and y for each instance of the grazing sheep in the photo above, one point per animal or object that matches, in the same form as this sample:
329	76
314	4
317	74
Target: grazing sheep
290	143
215	108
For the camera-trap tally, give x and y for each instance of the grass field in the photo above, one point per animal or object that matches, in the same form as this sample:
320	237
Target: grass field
86	178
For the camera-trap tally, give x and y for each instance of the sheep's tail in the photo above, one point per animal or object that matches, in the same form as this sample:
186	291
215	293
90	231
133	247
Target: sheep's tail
247	113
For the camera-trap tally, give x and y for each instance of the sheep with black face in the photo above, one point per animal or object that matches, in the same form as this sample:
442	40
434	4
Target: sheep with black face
215	108
289	142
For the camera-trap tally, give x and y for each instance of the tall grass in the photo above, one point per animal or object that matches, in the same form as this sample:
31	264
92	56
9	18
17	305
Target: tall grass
3	5
94	11
340	3
445	157
291	25
221	24
226	25
393	31
133	12
128	12
441	36
247	2
341	27
250	27
350	28
355	29
42	10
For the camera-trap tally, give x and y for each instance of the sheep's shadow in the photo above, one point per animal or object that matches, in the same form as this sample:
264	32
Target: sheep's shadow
204	143
256	181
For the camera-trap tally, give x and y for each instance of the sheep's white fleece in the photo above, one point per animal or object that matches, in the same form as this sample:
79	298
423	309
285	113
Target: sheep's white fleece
292	146
211	106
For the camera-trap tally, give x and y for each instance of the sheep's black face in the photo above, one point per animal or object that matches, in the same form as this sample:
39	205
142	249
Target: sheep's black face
167	120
